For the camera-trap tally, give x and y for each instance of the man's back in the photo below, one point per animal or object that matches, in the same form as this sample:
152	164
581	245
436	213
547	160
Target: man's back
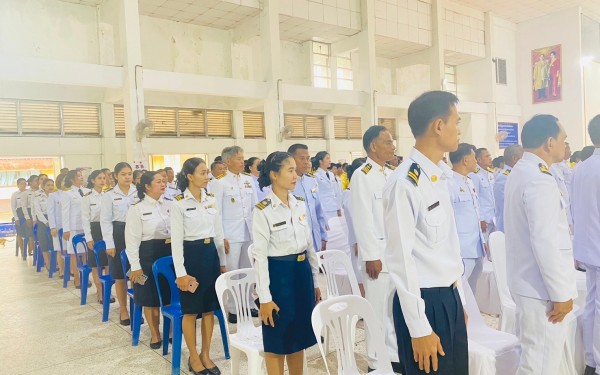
586	210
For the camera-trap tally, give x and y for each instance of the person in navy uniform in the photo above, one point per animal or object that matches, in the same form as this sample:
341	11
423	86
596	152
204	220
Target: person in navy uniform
423	251
330	192
540	265
512	154
307	188
286	268
483	180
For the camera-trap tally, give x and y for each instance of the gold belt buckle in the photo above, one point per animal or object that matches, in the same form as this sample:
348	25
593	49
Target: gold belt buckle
168	241
301	258
206	241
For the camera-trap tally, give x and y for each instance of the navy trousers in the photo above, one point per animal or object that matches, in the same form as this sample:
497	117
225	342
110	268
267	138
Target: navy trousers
444	311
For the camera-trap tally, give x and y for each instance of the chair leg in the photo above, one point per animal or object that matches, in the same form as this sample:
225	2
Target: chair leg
166	330
34	255
255	364
136	323
84	278
67	271
40	260
52	267
25	243
176	356
132	307
106	286
223	329
235	361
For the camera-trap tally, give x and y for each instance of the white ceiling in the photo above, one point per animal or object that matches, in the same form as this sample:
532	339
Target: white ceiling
391	47
85	2
523	10
299	30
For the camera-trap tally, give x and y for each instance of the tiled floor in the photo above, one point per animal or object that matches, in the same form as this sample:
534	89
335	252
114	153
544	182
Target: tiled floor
46	331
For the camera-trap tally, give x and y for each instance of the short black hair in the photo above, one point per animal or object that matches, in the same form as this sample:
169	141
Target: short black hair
586	152
215	163
479	152
538	129
594	130
295	147
248	163
428	107
371	135
497	161
218	158
576	156
356	163
463	150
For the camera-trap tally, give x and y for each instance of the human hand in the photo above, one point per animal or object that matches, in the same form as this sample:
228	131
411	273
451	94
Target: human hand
374	267
183	282
266	313
426	350
111	252
226	243
560	310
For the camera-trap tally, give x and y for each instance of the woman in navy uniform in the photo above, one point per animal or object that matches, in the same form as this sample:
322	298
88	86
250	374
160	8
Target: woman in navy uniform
41	215
286	267
199	259
148	238
15	202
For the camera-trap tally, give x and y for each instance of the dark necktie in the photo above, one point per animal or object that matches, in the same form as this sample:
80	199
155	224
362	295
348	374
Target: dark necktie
81	192
327	173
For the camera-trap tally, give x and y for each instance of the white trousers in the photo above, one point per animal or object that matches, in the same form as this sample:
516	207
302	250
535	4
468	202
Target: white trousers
237	259
542	343
80	250
473	269
380	295
591	317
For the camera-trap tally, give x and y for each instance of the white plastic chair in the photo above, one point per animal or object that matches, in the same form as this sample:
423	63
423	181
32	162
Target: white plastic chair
330	262
339	316
508	316
248	338
491	352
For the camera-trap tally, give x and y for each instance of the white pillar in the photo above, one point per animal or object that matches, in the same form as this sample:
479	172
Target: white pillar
367	64
436	52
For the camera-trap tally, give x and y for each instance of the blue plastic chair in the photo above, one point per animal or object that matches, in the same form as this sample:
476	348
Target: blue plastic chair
52	267
135	311
83	268
106	281
38	258
172	313
63	252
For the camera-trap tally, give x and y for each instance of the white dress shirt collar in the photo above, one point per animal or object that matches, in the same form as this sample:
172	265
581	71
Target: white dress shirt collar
187	194
117	189
276	202
380	168
229	173
533	158
429	168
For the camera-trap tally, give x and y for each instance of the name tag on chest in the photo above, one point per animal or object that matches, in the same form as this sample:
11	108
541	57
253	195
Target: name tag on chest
436	204
279	224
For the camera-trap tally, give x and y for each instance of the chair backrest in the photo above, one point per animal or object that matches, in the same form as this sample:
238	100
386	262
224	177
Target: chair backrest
475	319
330	262
164	266
124	263
498	251
337	314
63	251
100	246
35	232
238	284
49	239
77	241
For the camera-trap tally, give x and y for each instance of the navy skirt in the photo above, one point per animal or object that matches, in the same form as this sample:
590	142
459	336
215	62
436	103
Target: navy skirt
201	260
147	295
116	269
293	290
20	222
43	238
96	236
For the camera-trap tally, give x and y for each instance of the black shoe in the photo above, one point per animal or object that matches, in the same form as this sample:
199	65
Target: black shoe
201	372
213	371
370	369
125	322
589	370
397	367
254	313
156	345
232	318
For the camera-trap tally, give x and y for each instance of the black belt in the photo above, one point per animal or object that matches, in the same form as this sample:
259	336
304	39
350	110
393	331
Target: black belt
300	257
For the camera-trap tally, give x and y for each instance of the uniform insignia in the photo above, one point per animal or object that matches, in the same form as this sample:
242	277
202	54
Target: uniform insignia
167	198
279	224
414	173
366	169
299	198
434	178
232	200
506	172
436	204
221	176
179	197
462	190
210	194
88	193
264	203
544	169
388	165
477	170
118	199
190	209
309	174
246	173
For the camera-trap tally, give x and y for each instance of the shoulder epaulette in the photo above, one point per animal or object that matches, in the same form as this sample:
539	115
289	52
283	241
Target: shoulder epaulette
107	190
366	169
414	173
210	195
390	166
221	176
299	198
506	172
66	189
88	193
264	203
246	173
477	170
179	197
310	174
544	169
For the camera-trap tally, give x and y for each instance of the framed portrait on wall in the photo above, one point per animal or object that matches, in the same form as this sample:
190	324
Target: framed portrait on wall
546	75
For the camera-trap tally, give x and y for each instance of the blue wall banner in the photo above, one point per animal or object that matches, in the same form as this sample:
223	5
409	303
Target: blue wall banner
511	129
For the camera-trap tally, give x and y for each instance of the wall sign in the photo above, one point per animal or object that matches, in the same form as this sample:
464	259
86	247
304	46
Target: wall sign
509	134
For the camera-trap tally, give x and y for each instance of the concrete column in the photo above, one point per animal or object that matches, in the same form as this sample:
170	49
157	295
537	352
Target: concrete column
238	124
367	63
436	52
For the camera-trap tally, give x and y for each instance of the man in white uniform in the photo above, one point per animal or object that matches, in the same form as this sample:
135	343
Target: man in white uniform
586	244
366	202
422	251
483	180
512	154
466	212
538	248
236	196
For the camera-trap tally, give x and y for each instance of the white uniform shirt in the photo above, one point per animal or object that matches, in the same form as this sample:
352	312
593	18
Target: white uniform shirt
558	174
366	197
484	186
347	206
329	191
41	208
27	198
586	210
422	248
280	230
499	186
538	245
466	215
146	220
172	191
90	211
192	220
15	202
54	210
71	209
114	207
236	197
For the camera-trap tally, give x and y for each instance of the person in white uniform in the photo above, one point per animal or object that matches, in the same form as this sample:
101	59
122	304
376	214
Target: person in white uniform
466	212
27	207
252	167
512	154
483	180
352	242
422	251
586	244
41	212
539	252
366	199
171	191
563	177
17	211
236	196
55	220
329	191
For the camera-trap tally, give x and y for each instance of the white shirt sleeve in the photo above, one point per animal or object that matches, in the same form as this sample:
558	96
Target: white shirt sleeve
66	211
38	212
106	214
86	218
262	235
51	211
362	208
177	235
13	204
133	238
24	203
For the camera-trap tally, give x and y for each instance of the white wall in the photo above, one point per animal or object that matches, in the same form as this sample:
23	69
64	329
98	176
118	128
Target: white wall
295	60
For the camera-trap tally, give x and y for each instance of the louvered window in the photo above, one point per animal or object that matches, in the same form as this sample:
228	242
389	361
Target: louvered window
305	126
191	122
164	121
8	117
81	119
390	124
218	123
347	128
254	125
40	118
119	120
